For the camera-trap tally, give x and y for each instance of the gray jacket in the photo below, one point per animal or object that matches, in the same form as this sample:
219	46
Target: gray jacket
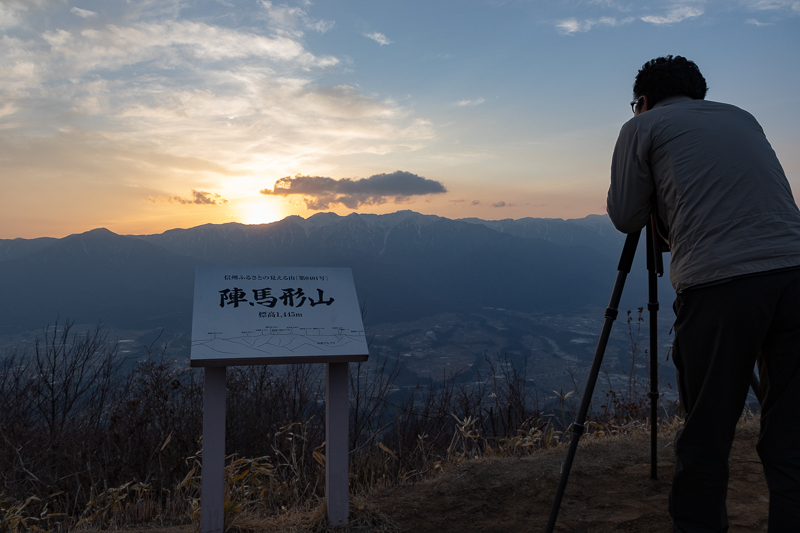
716	185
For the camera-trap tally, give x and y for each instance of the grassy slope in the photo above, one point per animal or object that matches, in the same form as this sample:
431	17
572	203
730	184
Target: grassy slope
609	490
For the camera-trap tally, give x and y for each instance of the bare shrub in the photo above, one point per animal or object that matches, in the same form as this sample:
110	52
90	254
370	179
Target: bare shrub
82	445
57	402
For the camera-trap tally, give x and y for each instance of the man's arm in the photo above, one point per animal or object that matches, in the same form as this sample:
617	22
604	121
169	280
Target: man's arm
630	196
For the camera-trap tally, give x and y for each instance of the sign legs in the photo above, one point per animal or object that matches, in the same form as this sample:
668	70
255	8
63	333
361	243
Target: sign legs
337	460
212	489
337	429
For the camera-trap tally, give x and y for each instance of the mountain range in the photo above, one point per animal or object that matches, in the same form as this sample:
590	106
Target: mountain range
405	265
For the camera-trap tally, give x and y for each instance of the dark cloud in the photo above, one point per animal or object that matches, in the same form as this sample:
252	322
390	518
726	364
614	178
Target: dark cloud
476	202
200	198
320	193
501	203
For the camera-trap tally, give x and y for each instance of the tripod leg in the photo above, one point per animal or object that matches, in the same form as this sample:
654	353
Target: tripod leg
653	398
654	269
625	262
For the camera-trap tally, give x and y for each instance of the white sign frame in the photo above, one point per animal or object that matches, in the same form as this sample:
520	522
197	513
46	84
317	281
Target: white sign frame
224	335
275	315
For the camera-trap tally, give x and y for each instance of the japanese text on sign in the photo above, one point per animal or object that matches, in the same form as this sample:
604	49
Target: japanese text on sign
266	314
260	277
289	298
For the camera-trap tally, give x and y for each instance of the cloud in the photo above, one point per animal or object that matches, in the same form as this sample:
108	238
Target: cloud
8	109
476	202
289	19
171	43
378	38
198	198
12	12
674	15
83	13
612	4
321	193
503	204
666	13
675	12
469	103
144	80
771	5
571	26
776	8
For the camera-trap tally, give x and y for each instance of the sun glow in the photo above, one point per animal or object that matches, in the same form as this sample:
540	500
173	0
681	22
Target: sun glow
260	211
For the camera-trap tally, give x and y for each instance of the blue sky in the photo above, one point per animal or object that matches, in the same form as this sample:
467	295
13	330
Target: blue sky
141	116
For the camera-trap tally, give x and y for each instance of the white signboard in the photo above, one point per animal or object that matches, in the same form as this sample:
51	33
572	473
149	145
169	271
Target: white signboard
269	315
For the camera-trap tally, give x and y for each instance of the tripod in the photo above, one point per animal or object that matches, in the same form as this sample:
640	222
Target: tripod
655	268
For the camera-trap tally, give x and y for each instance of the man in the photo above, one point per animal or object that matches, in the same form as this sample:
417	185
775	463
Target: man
725	208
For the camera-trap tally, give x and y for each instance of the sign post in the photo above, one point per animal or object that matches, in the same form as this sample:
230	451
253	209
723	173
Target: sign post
212	488
275	315
337	425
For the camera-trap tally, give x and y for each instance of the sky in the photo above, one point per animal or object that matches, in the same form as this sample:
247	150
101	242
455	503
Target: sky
146	115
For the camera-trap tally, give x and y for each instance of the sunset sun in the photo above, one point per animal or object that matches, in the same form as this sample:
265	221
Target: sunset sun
259	211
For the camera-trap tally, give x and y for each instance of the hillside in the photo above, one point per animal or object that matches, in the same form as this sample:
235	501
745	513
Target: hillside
609	490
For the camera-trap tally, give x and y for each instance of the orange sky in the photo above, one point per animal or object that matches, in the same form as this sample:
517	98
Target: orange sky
146	116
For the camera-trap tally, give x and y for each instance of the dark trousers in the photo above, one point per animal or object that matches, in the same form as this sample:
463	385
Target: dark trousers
720	333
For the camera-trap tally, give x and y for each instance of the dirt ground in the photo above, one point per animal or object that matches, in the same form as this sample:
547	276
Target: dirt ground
609	490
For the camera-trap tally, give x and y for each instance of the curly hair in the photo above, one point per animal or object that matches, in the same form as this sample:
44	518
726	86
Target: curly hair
667	76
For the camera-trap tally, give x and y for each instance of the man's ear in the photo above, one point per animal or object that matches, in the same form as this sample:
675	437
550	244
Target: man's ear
642	106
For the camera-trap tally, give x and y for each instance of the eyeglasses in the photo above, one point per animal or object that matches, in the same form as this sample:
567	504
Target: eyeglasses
635	104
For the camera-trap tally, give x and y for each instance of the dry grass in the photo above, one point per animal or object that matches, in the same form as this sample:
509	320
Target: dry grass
253	488
135	462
